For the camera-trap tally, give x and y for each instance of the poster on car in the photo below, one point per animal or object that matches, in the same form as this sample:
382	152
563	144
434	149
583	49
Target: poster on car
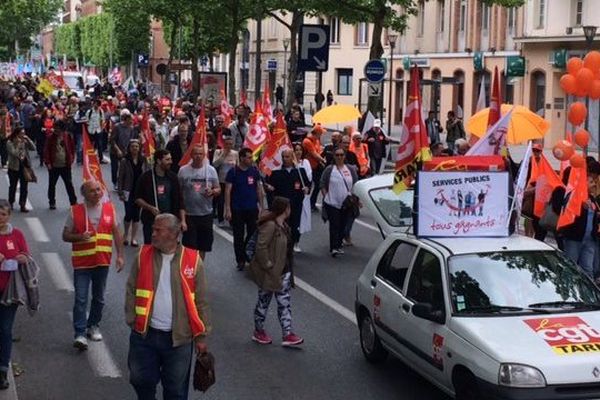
469	204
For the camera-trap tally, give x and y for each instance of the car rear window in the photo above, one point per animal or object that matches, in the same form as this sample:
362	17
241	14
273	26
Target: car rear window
396	209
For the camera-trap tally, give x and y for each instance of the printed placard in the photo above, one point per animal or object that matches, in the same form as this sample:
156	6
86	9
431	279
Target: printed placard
567	335
463	204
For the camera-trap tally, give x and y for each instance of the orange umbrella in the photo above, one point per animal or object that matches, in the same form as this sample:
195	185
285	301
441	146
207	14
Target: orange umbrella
524	124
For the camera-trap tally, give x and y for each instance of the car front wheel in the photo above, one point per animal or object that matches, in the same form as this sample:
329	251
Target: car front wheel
370	344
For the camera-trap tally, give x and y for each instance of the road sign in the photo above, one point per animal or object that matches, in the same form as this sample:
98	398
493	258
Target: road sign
271	64
314	48
143	60
161	69
374	89
374	71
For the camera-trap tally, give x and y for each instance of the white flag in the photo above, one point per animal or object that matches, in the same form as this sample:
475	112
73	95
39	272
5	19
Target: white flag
481	100
522	179
494	139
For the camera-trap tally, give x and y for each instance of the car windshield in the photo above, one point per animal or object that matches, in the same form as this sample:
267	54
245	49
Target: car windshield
509	282
395	209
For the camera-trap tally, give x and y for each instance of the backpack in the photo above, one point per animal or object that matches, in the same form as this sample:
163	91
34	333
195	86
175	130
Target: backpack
250	248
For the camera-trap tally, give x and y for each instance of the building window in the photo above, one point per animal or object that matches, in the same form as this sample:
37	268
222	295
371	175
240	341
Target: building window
344	81
334	28
362	34
485	17
421	18
441	9
511	19
537	96
540	16
273	31
578	12
462	23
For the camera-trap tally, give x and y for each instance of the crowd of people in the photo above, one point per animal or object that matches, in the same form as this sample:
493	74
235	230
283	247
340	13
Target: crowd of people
178	206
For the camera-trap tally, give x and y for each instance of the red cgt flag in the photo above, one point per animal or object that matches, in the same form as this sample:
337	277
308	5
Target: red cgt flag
198	138
495	101
546	181
279	141
576	194
266	103
147	137
414	142
91	164
258	134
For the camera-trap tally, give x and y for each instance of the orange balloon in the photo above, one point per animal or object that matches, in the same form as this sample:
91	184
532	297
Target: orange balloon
577	161
592	60
568	83
563	150
594	89
584	78
582	138
574	65
581	92
577	113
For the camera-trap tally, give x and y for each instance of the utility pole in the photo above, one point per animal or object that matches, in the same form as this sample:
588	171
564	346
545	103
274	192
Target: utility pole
258	67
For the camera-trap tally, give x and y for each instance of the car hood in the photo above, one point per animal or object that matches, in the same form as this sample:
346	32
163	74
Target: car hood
565	347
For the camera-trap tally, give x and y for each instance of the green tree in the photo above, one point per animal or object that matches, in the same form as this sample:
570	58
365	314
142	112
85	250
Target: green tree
22	19
131	34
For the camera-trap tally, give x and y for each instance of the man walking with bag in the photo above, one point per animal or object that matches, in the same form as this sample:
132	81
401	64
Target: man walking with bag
167	310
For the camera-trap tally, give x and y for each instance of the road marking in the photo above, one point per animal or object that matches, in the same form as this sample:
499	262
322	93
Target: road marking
100	359
314	292
27	203
37	229
58	272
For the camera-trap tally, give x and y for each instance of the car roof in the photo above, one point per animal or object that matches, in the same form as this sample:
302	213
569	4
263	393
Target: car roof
469	245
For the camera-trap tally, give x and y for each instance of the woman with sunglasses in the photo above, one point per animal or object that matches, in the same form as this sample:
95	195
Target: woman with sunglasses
336	186
13	251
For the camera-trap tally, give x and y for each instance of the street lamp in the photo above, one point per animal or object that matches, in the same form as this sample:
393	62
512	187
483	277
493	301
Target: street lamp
392	43
286	43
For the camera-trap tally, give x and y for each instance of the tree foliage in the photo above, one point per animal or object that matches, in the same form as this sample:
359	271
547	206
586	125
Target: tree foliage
131	28
20	20
67	40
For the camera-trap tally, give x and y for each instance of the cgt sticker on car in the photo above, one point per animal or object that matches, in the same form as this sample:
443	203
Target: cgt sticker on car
567	335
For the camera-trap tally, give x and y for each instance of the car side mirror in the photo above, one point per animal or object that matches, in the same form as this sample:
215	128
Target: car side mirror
425	311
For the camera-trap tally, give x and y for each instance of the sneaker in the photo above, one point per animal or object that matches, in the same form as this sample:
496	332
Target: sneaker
24	209
80	343
334	253
223	224
297	248
347	242
93	332
261	337
340	251
291	339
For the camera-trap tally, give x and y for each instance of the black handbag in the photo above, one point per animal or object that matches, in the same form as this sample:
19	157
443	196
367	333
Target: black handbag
204	372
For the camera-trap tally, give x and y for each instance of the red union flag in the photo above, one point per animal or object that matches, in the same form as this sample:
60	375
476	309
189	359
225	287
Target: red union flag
198	138
414	142
271	157
91	165
56	80
266	103
147	137
258	134
495	101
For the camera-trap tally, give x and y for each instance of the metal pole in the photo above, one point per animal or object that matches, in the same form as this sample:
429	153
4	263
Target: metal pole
179	56
285	68
389	111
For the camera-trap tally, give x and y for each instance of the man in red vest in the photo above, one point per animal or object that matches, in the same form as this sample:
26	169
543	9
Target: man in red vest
91	228
167	310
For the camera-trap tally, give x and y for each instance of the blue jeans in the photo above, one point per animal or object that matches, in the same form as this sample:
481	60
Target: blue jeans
152	359
82	278
7	318
582	253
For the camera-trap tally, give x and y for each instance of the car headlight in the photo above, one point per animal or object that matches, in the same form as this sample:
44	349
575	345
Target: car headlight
518	375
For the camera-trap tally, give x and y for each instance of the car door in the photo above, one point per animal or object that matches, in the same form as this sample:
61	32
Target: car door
424	339
388	287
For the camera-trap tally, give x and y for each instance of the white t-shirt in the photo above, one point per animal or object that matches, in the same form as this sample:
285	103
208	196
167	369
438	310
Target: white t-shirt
338	190
162	312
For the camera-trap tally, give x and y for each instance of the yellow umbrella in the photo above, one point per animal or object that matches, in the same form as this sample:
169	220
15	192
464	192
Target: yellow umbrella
335	114
524	124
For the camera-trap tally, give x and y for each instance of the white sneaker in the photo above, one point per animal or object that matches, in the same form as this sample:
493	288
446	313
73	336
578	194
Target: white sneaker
93	332
80	343
297	248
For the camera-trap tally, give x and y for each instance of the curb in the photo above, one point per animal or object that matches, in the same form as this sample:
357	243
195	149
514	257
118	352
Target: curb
11	392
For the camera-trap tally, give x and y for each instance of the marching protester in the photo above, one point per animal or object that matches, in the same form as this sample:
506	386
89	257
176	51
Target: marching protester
244	200
377	143
271	269
59	153
336	186
291	183
119	138
239	128
179	143
6	125
329	149
350	158
157	191
13	252
92	229
224	160
312	145
130	169
95	117
167	309
18	146
199	184
362	154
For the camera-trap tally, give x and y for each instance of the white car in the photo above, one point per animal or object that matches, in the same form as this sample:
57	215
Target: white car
480	318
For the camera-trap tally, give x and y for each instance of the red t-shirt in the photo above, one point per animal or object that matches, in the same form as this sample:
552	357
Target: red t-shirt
11	245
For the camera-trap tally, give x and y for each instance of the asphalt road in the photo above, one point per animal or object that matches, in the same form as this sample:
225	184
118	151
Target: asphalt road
330	364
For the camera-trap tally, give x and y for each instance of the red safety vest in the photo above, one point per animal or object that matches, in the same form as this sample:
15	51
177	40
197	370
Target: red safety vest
98	250
362	156
144	288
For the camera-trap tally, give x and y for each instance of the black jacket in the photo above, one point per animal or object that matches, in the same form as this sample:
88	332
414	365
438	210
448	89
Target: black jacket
289	184
144	189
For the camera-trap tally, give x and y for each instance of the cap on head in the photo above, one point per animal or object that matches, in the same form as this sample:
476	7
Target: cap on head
377	123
